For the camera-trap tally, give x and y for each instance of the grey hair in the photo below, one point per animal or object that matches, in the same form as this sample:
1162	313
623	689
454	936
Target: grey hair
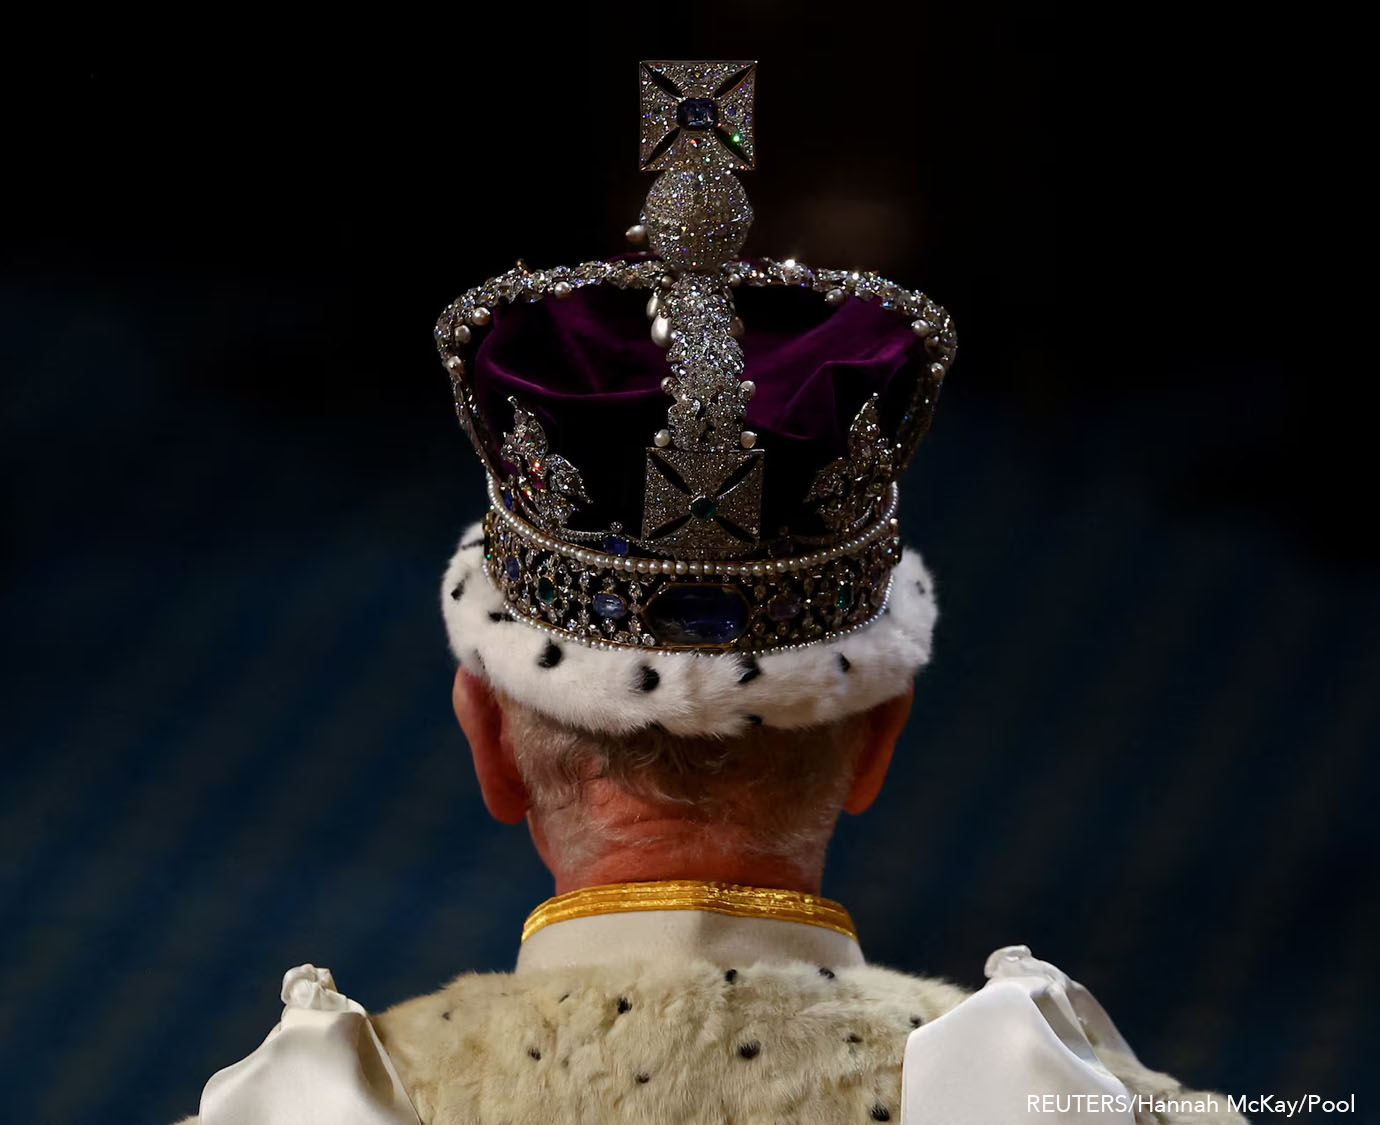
788	787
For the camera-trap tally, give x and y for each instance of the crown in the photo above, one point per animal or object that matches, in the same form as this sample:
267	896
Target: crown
620	523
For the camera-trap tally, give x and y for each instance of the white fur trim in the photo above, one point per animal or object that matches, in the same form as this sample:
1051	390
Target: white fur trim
695	693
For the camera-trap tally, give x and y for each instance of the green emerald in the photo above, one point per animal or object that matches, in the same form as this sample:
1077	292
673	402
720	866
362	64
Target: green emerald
546	589
845	597
704	507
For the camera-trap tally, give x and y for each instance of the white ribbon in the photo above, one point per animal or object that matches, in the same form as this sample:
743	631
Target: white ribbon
1019	1037
322	1064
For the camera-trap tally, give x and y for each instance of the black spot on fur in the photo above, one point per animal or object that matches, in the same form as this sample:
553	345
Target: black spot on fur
749	1050
753	720
445	1015
497	615
880	1113
916	1021
472	543
458	592
551	656
845	665
731	975
828	974
644	1077
648	678
624	1005
854	1037
563	999
750	669
533	1054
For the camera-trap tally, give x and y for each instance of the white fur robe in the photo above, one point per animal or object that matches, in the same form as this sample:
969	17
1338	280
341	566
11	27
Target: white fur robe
680	1042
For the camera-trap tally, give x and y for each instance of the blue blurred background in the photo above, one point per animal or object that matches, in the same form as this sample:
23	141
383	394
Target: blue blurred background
232	477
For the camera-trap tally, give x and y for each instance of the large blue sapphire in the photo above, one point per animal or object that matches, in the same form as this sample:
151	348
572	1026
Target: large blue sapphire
688	613
609	605
697	113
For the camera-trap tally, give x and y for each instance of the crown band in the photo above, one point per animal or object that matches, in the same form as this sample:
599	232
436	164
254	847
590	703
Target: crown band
621	601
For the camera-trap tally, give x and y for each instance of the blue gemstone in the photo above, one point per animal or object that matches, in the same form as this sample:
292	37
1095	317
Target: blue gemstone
609	605
508	499
512	568
616	545
697	113
692	614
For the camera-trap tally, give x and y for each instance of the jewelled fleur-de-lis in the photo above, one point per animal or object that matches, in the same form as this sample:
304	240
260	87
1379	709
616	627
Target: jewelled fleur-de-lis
848	489
545	483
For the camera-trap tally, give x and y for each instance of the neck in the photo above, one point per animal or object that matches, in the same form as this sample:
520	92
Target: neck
652	849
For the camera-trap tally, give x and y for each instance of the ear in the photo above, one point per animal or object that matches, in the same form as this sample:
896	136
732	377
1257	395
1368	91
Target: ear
481	718
883	725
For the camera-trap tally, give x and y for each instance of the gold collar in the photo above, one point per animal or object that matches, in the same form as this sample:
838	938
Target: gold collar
691	894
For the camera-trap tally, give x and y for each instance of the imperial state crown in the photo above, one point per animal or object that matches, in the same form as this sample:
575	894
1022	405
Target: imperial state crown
721	480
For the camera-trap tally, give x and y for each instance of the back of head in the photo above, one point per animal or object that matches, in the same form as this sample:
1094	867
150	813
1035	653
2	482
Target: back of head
775	794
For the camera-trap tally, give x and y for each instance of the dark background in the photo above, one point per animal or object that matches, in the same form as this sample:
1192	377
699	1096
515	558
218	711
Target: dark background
232	476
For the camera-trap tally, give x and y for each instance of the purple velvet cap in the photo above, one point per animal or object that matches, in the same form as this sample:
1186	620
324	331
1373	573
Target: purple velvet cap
588	370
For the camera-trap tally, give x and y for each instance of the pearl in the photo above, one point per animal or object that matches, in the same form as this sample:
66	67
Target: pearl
462	334
662	439
921	328
748	439
667	280
835	297
757	570
747	388
642	566
680	568
735	328
668	384
481	316
636	234
455	364
653	304
937	370
562	289
693	568
661	332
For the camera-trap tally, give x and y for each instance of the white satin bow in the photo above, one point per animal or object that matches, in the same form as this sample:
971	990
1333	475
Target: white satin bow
322	1064
1020	1037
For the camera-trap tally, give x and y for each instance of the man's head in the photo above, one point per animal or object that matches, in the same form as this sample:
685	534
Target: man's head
602	808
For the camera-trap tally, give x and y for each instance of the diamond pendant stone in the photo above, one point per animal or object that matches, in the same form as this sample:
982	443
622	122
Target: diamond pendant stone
693	614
